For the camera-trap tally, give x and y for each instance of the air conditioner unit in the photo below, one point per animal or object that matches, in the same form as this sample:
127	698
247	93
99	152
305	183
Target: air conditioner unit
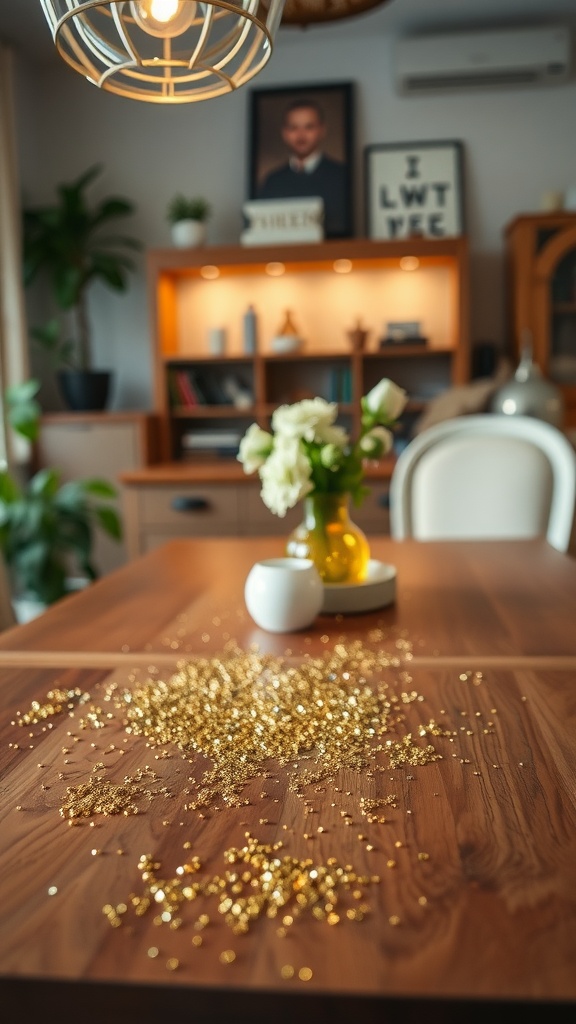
497	57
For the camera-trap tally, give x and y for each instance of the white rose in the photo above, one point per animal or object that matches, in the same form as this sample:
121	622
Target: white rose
386	401
376	443
337	436
310	419
255	447
285	476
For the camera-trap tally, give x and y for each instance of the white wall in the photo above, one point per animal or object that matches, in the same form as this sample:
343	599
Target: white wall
518	144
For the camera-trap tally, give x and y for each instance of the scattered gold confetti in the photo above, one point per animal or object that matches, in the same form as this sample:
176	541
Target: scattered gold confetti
99	796
268	880
243	709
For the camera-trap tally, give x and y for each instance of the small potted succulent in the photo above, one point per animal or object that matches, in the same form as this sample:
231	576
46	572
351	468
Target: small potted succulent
187	218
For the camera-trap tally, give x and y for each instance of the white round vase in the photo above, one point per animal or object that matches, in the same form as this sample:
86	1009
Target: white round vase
284	594
188	233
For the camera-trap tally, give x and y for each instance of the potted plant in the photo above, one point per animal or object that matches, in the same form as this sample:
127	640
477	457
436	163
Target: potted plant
47	528
187	218
66	243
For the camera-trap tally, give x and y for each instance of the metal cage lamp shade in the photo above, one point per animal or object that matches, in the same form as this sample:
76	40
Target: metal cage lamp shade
165	51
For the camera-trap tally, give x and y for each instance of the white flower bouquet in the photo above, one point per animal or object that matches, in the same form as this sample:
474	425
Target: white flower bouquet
308	453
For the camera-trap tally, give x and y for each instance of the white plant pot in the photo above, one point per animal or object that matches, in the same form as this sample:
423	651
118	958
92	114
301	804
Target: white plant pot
27	608
188	233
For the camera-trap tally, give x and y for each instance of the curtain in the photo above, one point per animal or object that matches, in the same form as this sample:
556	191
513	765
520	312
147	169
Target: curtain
14	363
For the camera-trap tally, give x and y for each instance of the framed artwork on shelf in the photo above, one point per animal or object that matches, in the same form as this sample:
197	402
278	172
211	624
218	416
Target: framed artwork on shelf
414	188
301	147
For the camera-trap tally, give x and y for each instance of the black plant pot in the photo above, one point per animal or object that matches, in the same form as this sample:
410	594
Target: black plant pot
85	390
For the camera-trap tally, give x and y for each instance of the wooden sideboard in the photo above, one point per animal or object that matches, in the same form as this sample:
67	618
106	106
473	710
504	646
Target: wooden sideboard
180	499
98	444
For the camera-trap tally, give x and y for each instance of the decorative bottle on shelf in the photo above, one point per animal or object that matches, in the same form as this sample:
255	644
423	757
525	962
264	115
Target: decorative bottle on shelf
250	330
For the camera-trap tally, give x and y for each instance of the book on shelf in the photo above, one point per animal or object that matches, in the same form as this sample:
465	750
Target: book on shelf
186	392
200	440
341	384
190	389
209	389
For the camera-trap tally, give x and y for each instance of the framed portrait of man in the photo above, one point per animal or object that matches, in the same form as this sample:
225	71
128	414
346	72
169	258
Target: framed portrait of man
301	146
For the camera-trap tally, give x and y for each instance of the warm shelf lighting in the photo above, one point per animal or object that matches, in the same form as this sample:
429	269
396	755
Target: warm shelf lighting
409	263
165	51
275	269
209	272
342	266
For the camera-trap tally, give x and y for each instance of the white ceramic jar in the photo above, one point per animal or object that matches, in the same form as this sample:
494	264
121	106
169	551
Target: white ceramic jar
187	234
284	594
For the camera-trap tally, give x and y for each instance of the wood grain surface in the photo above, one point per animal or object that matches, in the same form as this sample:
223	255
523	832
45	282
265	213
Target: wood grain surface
483	598
469	893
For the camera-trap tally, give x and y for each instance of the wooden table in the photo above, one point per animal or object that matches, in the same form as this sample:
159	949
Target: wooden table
460	905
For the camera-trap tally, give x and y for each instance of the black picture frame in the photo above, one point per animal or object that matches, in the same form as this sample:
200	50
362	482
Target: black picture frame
269	153
414	188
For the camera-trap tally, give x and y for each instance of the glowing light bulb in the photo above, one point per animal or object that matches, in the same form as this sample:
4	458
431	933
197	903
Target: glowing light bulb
342	266
275	269
164	18
209	272
163	10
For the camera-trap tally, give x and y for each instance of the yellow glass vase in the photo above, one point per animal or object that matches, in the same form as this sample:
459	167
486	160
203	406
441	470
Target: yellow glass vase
327	535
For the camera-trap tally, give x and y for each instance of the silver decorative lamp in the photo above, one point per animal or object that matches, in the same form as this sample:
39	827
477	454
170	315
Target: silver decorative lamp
165	51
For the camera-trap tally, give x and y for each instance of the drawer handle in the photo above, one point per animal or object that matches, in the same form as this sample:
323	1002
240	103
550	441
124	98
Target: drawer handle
184	504
384	500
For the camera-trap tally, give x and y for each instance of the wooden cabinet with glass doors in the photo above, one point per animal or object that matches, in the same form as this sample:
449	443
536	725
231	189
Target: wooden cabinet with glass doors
541	296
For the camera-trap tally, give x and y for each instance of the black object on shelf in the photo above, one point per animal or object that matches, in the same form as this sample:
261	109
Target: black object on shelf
407	339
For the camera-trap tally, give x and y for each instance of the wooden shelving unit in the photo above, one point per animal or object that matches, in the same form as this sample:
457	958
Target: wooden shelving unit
328	288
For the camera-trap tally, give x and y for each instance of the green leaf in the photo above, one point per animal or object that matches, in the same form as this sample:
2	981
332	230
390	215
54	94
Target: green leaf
22	392
9	488
109	521
44	483
23	412
99	488
111	208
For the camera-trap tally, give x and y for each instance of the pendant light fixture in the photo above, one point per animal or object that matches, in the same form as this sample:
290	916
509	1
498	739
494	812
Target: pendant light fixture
165	51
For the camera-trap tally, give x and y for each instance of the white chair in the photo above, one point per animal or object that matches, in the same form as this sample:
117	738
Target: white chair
487	475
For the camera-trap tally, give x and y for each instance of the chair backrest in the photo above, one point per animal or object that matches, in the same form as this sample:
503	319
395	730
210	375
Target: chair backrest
487	475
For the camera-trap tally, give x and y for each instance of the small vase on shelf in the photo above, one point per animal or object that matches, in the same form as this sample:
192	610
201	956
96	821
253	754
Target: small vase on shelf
327	535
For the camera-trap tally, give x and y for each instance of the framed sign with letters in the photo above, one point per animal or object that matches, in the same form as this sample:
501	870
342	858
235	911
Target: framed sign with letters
414	188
